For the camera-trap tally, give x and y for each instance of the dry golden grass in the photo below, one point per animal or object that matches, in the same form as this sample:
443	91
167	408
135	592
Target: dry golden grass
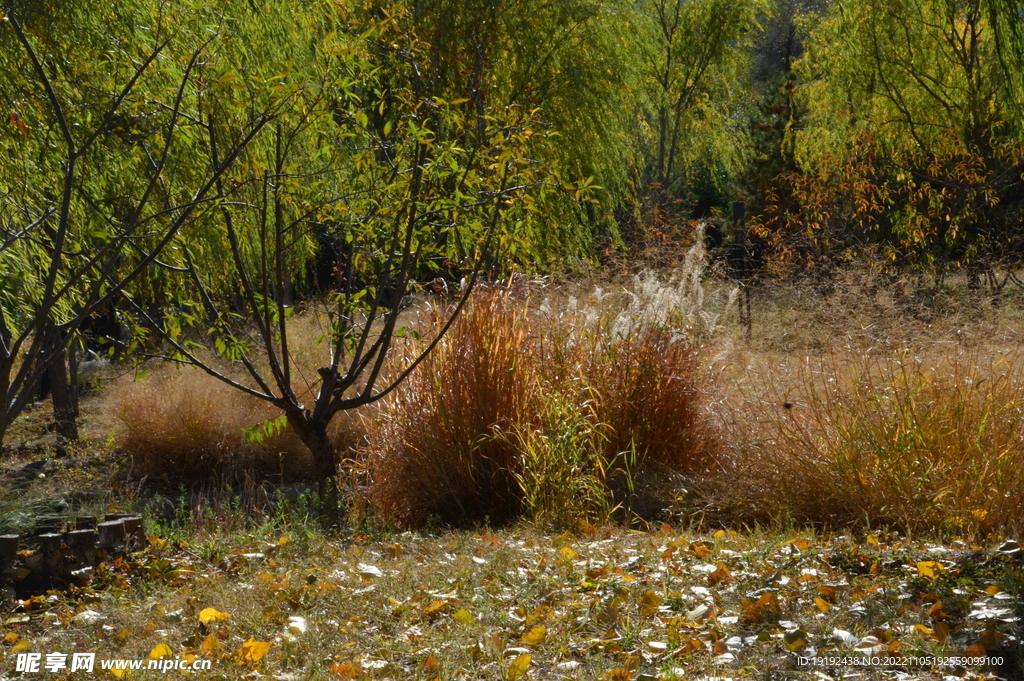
913	439
597	406
181	425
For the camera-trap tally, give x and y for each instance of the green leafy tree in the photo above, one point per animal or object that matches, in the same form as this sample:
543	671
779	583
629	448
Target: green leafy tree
572	62
408	184
908	145
694	58
98	173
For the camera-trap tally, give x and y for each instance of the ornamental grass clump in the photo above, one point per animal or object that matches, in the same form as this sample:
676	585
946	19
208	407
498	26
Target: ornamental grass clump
555	413
433	454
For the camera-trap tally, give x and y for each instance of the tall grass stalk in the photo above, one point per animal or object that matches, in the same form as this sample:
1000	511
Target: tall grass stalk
562	473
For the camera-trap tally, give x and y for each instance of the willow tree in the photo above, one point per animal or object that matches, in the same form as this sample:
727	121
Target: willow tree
1005	17
100	125
693	60
571	62
909	145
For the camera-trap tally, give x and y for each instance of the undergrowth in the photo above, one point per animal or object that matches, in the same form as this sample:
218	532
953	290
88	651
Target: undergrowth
582	414
915	440
613	405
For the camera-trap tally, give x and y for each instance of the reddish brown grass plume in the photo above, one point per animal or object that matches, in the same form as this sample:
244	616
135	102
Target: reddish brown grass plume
433	453
472	434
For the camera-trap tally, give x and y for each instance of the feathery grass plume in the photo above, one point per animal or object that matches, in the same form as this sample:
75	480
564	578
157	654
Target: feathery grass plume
933	442
677	303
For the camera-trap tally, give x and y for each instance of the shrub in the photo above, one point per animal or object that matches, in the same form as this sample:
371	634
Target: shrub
911	442
650	392
433	452
561	417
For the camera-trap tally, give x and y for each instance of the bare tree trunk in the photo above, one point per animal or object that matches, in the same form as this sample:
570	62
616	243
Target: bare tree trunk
5	397
3	421
63	403
73	387
313	434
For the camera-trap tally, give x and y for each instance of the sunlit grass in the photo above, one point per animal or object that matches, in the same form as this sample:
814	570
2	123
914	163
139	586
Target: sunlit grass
921	441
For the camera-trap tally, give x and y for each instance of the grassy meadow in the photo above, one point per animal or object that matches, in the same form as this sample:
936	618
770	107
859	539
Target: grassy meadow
586	480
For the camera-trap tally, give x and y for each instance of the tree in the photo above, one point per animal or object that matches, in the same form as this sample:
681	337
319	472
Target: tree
573	62
1005	17
93	179
405	182
692	55
908	147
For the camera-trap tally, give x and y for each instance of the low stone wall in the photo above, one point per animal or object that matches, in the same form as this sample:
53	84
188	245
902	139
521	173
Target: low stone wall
52	558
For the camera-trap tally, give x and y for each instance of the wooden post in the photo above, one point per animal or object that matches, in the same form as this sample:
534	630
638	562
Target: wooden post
50	546
82	546
739	211
135	532
112	534
9	544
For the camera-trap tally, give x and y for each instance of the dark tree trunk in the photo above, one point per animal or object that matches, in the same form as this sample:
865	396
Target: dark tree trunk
64	413
73	388
313	434
5	398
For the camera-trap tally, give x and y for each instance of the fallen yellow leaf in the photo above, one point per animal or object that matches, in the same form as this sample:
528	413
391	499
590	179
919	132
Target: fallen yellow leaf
463	616
517	670
210	645
208	615
160	651
929	568
535	636
649	604
253	651
827	591
346	671
700	548
795	640
720	574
